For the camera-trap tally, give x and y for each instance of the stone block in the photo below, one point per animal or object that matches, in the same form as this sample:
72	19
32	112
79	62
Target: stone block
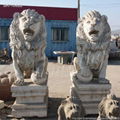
90	94
30	113
31	100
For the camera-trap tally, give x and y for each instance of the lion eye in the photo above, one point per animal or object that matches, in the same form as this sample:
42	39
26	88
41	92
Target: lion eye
71	108
117	103
24	19
111	103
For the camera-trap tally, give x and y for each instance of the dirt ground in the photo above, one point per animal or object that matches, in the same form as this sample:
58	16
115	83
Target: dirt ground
59	85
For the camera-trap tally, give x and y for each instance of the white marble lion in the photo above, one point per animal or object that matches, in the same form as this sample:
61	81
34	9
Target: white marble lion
93	38
28	43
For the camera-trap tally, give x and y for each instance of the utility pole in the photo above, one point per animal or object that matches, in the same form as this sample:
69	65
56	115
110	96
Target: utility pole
78	11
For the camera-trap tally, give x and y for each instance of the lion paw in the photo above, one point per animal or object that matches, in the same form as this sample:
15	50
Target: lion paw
19	82
38	80
85	72
84	76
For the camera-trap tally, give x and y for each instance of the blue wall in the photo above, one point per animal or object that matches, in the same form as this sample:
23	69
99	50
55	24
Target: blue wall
69	45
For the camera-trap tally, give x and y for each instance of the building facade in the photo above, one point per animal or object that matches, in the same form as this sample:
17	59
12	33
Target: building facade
60	25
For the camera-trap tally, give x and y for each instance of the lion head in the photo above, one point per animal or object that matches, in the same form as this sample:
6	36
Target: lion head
109	107
70	108
93	27
26	26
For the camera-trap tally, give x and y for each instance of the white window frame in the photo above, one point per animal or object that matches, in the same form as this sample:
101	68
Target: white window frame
60	38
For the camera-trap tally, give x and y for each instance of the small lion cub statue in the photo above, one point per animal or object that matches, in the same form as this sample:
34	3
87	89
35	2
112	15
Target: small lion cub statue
71	108
28	43
109	108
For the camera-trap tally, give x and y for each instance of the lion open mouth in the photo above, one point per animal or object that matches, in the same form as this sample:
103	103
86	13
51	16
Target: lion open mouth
93	32
113	116
28	32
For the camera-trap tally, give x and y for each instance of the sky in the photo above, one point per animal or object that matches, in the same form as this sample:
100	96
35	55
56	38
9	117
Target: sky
110	8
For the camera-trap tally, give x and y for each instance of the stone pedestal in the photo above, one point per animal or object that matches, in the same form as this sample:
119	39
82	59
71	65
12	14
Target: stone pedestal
90	94
31	100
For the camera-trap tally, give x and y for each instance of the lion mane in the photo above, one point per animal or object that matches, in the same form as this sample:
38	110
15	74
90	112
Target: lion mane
92	56
29	58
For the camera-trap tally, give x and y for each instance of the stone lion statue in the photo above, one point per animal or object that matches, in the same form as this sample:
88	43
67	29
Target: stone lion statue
109	108
70	108
28	43
93	38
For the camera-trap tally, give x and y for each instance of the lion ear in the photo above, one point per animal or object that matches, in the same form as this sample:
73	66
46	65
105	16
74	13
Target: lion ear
111	96
42	18
104	18
16	15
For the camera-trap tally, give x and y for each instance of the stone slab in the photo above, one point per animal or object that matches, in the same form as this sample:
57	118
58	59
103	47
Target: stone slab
89	95
30	99
29	113
94	87
31	87
29	106
91	107
17	94
29	90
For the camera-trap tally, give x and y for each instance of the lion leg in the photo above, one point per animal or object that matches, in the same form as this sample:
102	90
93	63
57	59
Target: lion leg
40	75
19	75
102	73
76	65
83	73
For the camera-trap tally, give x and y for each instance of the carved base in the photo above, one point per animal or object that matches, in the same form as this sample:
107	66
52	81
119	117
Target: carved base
31	100
90	94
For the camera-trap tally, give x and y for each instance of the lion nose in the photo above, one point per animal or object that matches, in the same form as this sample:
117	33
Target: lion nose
94	24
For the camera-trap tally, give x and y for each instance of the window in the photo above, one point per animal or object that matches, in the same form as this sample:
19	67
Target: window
60	34
4	33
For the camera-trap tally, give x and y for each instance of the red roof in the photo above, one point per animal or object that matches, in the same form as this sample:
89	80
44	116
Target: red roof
50	13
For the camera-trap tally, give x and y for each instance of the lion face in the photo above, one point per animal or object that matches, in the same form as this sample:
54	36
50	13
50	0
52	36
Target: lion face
109	107
71	108
72	111
29	26
112	109
93	26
